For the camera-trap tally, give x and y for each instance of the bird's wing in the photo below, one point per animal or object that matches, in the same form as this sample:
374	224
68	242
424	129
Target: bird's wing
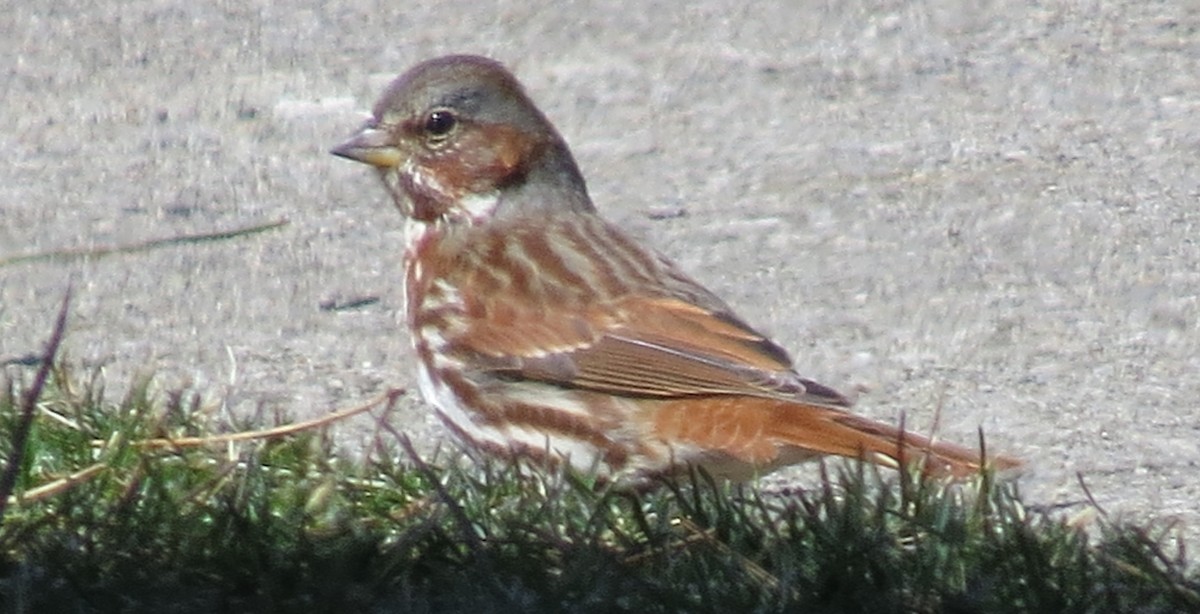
646	331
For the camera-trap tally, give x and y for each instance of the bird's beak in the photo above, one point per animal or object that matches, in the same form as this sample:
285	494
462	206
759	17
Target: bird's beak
370	146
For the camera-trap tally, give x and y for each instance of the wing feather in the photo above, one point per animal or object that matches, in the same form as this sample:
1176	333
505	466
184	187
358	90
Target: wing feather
668	349
643	329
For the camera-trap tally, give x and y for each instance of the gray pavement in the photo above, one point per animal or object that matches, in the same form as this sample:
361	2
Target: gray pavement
991	210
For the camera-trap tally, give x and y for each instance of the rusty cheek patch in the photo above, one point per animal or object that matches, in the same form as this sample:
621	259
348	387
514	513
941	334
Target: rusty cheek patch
477	160
483	158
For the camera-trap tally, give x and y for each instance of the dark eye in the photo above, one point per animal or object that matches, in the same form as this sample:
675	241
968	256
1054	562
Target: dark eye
439	123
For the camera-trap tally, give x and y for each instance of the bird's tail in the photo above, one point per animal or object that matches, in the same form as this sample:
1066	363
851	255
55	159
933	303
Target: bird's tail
767	432
832	431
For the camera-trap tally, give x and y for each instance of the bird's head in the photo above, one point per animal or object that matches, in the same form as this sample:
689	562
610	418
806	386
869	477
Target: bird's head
456	139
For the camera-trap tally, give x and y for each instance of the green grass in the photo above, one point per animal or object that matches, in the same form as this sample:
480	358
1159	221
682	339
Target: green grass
285	524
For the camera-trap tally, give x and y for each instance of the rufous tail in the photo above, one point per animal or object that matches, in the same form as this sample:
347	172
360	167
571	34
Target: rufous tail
765	431
831	431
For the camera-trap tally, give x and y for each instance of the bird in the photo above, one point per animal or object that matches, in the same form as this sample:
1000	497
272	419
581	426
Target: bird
542	331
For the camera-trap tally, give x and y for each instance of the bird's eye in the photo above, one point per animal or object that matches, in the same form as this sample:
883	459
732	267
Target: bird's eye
440	123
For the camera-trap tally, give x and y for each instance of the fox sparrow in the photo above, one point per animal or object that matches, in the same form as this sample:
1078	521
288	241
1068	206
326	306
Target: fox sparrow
542	330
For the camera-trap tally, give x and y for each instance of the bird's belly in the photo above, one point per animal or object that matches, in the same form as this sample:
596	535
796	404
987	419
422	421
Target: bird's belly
593	433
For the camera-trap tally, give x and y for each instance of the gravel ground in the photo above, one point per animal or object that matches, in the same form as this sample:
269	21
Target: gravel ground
986	207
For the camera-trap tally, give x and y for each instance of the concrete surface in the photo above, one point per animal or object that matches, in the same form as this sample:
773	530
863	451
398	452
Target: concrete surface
987	207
